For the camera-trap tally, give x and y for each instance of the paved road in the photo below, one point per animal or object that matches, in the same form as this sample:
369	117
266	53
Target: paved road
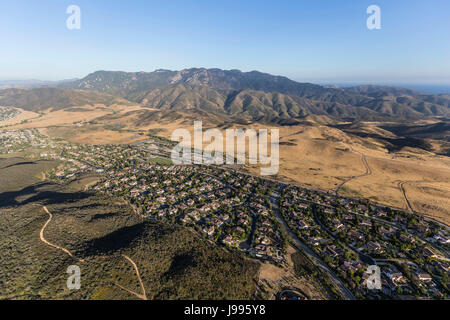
362	256
312	255
316	260
387	261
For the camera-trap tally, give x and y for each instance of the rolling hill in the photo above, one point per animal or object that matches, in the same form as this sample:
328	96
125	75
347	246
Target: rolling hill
253	96
262	96
44	98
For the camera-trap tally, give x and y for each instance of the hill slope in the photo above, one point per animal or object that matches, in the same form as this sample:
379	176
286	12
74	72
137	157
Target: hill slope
233	91
40	99
174	263
252	96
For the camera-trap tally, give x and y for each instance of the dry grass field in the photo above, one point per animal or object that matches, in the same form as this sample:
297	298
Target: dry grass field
312	154
323	157
81	114
83	124
91	135
23	116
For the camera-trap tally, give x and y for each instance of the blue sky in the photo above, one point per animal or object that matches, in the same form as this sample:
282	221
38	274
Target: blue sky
314	40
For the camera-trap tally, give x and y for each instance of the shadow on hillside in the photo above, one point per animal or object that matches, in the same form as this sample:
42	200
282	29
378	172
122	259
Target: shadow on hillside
393	144
19	164
179	264
116	240
40	193
84	207
103	216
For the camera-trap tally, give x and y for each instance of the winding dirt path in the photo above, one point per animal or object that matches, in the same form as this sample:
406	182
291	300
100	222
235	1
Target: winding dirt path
41	235
142	296
401	185
365	174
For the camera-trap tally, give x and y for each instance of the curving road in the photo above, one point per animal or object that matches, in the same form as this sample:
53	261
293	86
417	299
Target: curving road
317	261
310	253
365	258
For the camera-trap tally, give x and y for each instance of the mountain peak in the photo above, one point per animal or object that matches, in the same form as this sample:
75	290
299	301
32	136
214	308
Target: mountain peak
265	94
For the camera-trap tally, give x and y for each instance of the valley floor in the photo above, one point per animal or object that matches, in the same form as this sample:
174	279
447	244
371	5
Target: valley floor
311	154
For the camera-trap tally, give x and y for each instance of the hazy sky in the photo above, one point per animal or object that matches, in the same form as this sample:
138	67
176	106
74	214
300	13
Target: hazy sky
314	40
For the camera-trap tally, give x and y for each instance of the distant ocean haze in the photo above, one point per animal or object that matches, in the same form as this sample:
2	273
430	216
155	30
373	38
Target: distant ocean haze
425	88
431	88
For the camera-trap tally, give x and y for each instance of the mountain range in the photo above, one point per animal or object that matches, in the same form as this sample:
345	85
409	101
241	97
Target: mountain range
251	95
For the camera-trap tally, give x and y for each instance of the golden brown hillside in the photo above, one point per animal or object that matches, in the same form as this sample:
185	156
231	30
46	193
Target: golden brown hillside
312	154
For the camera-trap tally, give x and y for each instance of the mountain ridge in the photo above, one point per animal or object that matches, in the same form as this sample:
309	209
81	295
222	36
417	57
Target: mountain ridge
366	102
251	95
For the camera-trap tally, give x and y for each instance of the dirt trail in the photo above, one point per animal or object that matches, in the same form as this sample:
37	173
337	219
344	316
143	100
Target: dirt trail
401	185
142	296
367	173
51	244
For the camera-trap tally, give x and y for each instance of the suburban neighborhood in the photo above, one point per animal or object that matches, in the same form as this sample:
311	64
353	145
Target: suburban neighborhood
259	217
